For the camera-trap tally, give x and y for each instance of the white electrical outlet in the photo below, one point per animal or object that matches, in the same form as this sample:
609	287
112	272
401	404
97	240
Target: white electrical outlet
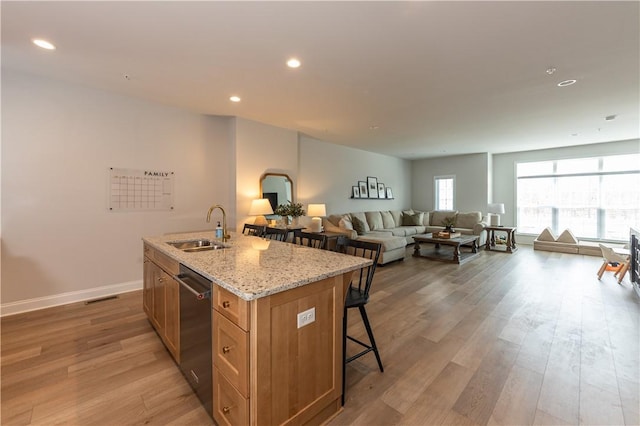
306	317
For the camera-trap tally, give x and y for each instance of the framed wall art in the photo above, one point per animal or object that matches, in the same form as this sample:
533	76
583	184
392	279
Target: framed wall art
372	186
364	193
389	193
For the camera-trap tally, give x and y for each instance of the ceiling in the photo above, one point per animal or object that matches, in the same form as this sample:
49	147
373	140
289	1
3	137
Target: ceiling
408	79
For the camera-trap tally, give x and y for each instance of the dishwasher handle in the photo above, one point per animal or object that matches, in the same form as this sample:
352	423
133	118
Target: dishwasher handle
199	295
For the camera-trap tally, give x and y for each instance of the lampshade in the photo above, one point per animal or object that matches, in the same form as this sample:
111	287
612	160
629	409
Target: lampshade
316	210
497	208
259	208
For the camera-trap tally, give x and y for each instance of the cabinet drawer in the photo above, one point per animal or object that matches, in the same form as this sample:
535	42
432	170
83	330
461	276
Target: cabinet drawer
231	306
230	352
229	406
165	262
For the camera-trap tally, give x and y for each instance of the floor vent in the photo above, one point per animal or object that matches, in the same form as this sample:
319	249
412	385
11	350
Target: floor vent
90	302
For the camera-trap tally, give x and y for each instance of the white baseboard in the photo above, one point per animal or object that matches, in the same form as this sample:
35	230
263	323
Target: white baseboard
21	306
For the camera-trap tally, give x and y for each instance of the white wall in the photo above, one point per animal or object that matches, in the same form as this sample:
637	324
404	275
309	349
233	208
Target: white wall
472	181
58	141
60	243
328	171
504	177
260	148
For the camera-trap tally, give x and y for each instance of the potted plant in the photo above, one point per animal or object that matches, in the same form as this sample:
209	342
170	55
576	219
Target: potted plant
289	210
449	223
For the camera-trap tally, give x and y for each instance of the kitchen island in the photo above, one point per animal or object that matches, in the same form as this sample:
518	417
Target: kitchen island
276	320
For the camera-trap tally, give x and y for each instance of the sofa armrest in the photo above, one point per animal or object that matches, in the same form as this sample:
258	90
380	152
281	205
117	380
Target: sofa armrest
479	227
330	227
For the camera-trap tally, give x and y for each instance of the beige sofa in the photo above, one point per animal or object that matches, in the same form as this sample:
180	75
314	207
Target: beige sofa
395	229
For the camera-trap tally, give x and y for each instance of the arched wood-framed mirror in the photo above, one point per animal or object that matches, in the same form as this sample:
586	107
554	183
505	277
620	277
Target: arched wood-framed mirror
277	188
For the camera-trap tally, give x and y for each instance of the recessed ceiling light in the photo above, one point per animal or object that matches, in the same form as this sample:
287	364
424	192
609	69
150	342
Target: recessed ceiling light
551	70
234	98
293	63
43	43
567	83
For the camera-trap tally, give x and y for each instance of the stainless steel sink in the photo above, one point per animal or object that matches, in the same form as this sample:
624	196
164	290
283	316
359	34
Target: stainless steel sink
197	245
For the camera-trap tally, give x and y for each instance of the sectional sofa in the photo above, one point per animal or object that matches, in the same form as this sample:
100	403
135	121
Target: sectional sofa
394	229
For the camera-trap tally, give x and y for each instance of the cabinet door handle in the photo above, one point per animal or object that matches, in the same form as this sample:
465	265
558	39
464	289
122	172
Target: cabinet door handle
226	410
160	279
226	349
226	304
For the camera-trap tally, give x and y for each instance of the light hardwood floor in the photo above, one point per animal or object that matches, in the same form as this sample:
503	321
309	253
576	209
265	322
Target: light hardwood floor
527	338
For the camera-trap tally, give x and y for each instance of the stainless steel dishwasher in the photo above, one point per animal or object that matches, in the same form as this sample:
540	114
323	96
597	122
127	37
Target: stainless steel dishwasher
195	334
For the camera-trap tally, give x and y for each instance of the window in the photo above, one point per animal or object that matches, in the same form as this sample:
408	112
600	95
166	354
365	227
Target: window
445	191
596	198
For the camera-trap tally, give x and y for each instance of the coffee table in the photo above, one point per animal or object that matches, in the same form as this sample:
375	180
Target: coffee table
453	255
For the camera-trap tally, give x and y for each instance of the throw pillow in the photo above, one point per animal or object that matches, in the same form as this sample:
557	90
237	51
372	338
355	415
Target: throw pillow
425	217
412	219
374	219
345	223
387	220
363	218
357	225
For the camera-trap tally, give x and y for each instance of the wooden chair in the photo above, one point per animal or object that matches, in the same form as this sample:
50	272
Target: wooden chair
309	239
277	234
611	258
357	297
255	230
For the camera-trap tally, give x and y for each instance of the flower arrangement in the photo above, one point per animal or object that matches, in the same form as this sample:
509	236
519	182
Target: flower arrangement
290	209
449	222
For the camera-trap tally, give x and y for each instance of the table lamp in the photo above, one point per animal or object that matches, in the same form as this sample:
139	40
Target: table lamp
495	210
259	208
316	210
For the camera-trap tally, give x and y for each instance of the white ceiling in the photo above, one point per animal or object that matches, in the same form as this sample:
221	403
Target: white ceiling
409	79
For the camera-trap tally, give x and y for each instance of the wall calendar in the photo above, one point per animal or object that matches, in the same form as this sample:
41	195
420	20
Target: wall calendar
140	190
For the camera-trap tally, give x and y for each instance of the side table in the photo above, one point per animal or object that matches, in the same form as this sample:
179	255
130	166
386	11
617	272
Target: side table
331	238
510	245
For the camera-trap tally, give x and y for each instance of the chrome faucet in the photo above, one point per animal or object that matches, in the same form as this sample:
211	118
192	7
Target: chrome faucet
225	236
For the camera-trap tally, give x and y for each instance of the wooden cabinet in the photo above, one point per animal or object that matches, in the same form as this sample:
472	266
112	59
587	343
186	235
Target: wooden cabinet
229	406
172	315
147	286
267	371
230	352
230	328
161	298
231	306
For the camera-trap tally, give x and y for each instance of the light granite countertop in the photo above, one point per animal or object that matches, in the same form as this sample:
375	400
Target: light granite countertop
253	267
